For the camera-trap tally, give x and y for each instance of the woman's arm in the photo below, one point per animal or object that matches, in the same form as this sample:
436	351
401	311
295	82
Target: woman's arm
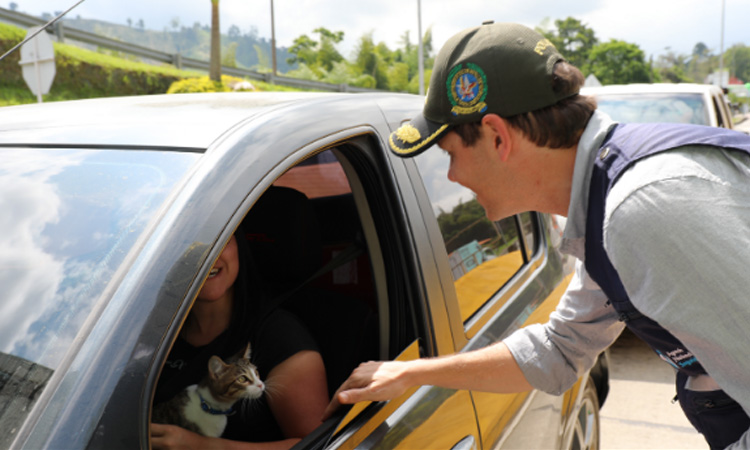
297	393
172	437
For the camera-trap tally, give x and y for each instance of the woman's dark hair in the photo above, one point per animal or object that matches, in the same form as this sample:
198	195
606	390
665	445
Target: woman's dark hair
249	296
556	126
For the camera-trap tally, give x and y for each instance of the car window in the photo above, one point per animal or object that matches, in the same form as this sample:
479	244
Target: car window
483	255
69	219
312	235
643	107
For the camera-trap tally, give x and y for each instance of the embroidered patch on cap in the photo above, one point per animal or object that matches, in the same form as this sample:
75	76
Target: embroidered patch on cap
467	88
408	133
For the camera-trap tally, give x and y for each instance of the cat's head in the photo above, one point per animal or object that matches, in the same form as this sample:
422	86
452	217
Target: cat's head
236	379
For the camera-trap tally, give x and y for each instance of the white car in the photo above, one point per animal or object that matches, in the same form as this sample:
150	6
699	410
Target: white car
701	104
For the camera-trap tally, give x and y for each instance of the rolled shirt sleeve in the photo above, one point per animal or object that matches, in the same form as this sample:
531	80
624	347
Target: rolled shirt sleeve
554	355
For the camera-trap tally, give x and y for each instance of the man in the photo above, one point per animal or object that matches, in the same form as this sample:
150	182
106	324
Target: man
658	216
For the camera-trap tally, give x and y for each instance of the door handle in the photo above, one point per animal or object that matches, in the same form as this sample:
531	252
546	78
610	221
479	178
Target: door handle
467	443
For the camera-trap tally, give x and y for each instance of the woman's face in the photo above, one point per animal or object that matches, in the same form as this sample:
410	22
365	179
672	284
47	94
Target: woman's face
223	274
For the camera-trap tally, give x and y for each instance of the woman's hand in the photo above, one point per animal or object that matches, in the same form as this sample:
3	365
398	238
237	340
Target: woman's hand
173	437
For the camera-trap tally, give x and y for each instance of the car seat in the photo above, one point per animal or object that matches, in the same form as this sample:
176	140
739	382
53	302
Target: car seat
283	235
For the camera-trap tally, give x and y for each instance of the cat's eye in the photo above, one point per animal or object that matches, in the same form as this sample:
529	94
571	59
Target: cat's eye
243	379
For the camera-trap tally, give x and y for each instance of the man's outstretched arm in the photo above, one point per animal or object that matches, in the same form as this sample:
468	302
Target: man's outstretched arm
489	369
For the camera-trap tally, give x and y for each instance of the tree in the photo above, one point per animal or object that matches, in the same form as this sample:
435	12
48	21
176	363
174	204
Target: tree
318	56
670	67
229	58
328	54
234	32
573	40
372	65
372	60
618	62
409	53
398	77
303	51
215	59
738	61
701	51
264	61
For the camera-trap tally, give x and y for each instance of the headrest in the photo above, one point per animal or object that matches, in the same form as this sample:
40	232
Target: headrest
283	237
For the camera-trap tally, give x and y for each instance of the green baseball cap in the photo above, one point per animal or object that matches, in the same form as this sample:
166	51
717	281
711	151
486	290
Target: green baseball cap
496	68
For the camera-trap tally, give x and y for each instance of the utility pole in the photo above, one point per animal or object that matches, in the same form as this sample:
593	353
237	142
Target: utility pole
420	55
721	52
273	41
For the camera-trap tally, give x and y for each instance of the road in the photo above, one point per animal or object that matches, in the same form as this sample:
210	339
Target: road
744	126
639	413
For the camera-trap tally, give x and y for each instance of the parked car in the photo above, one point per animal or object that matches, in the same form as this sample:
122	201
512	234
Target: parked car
701	104
114	211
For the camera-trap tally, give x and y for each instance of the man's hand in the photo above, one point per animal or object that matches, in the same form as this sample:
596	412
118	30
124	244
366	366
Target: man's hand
371	381
174	437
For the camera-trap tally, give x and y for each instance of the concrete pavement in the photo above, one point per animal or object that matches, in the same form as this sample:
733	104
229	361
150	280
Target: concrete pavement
743	126
639	413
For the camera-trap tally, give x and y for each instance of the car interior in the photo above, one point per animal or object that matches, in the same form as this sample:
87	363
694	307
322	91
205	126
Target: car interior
312	255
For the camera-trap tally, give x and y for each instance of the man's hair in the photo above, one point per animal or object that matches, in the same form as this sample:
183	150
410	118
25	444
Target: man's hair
556	126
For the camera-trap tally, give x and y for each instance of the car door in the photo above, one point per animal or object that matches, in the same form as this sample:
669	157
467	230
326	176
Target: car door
404	296
376	303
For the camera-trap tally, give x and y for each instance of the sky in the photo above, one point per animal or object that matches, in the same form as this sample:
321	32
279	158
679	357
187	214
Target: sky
656	26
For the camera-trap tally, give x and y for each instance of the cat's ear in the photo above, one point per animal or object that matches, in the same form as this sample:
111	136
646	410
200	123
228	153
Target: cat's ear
215	367
246	353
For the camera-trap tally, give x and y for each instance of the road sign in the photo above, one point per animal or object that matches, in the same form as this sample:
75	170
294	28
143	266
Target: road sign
38	63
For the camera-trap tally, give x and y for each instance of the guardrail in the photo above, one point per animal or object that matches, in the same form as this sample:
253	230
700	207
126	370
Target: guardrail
62	33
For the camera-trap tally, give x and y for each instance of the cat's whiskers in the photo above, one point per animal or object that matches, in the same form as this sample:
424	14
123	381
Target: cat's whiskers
272	387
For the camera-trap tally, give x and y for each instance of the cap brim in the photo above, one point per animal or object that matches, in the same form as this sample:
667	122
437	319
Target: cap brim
416	136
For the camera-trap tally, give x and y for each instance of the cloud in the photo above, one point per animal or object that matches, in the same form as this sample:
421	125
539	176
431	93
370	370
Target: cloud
30	275
653	25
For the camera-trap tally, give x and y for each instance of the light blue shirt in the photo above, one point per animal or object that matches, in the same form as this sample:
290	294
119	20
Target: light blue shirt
677	229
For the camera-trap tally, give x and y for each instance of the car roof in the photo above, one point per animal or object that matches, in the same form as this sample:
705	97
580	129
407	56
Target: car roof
651	88
185	121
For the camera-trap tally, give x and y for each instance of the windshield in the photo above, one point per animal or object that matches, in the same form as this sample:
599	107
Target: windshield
69	218
631	108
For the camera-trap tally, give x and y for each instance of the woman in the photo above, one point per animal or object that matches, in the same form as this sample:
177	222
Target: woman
226	315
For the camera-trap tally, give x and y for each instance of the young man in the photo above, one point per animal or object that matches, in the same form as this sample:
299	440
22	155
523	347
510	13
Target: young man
658	216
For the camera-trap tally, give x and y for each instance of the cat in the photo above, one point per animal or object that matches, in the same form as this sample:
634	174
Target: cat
204	407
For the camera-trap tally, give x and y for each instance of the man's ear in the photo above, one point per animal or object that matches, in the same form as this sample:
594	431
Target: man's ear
500	133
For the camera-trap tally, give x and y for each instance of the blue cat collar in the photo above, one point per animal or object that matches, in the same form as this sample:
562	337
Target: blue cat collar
211	410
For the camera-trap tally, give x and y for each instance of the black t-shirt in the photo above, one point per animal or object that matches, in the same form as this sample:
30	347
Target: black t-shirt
278	337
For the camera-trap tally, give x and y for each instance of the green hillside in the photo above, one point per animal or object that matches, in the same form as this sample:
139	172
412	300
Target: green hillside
247	50
84	73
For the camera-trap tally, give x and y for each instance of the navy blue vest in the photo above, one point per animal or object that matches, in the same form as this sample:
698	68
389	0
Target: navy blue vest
626	144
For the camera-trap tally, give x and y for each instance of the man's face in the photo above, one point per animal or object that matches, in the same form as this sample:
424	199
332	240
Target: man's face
478	168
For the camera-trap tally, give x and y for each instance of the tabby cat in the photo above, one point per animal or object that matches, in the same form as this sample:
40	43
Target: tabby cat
204	407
